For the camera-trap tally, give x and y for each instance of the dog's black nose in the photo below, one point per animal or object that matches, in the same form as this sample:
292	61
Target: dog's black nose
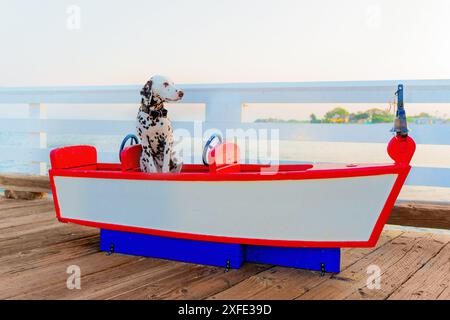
180	94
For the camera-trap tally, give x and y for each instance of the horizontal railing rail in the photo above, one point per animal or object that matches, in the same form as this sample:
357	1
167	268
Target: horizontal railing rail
223	110
416	91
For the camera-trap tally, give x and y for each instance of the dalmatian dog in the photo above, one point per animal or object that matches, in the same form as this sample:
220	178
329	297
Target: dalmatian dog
154	127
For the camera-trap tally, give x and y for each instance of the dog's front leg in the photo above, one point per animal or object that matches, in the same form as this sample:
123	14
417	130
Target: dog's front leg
147	161
166	159
175	165
151	165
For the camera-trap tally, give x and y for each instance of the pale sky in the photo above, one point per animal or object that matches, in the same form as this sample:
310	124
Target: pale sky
202	41
123	42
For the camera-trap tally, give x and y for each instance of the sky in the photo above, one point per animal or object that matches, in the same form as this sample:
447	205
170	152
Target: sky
101	42
123	42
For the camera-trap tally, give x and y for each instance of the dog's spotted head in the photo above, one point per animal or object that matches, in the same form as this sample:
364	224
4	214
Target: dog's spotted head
160	89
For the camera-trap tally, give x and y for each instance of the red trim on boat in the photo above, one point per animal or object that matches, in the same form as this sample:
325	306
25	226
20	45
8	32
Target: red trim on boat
55	198
307	172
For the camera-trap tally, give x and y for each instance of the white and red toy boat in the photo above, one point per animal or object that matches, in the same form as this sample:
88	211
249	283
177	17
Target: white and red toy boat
298	206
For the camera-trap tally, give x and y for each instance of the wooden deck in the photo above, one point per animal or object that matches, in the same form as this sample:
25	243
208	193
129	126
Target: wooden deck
35	251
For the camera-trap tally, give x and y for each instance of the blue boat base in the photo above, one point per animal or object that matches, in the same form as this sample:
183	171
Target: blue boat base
218	254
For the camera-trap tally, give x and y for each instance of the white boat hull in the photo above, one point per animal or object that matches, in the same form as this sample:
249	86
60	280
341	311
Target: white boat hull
335	210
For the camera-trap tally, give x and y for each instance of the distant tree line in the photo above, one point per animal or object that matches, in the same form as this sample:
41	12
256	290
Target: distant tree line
374	115
341	115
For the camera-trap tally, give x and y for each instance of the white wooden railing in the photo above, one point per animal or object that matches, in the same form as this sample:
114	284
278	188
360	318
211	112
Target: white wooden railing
223	109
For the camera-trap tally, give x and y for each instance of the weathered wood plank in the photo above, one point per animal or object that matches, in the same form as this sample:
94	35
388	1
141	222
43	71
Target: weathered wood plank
167	275
393	277
147	279
110	280
185	273
153	282
37	238
38	257
423	215
276	283
289	283
212	280
212	284
150	279
445	294
6	204
342	286
24	182
36	208
36	215
24	229
432	281
351	255
35	280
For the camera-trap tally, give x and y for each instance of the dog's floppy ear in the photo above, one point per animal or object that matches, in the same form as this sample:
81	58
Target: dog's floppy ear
147	90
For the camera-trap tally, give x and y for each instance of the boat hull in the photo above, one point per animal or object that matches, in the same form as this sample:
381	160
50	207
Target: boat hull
327	210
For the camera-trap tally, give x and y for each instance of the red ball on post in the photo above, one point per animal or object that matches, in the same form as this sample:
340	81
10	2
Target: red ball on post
401	149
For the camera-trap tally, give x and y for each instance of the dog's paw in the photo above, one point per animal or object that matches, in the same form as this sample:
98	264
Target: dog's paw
175	166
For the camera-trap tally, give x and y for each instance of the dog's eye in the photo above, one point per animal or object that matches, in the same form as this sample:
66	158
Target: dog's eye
165	84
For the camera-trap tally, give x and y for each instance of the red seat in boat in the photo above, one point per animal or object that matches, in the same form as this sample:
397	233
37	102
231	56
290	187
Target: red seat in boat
224	158
130	158
74	157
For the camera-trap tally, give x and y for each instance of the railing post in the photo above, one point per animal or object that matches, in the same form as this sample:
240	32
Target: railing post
38	111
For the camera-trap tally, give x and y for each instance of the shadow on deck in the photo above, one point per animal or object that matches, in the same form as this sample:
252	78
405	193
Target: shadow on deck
35	251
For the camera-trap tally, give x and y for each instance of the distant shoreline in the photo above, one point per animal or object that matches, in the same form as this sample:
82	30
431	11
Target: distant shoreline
340	115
